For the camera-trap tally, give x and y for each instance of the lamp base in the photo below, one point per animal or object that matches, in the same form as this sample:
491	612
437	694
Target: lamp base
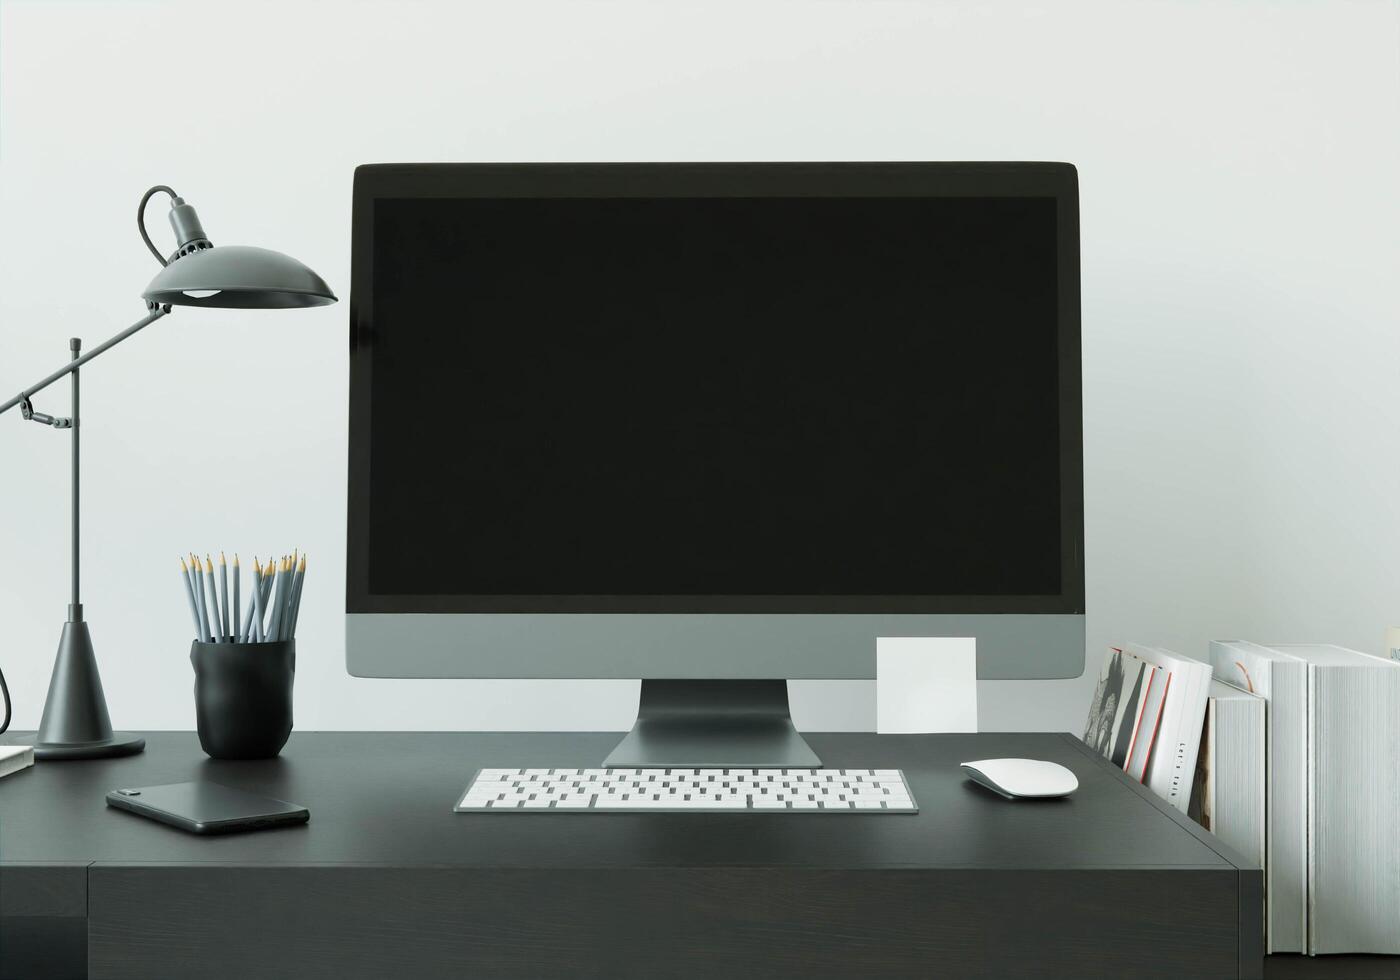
121	743
75	723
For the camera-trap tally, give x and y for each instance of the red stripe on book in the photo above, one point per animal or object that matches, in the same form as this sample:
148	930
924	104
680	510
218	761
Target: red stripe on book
1156	724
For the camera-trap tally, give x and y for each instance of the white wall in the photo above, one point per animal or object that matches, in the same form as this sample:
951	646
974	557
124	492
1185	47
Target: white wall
1238	165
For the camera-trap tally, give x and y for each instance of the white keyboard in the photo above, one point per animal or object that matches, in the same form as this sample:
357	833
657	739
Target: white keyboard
689	791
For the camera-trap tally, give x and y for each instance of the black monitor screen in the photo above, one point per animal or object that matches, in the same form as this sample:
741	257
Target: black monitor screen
715	397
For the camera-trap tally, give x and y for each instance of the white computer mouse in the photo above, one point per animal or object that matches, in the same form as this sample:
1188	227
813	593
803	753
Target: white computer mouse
1022	778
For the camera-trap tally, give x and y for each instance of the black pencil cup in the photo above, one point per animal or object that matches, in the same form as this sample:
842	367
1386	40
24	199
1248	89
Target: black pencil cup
243	697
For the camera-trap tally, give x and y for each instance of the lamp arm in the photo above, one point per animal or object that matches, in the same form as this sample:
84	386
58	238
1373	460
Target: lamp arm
73	365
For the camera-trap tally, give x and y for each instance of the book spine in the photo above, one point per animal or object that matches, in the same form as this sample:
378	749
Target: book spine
1287	879
1137	720
1156	721
1212	767
1188	743
1354	785
1310	837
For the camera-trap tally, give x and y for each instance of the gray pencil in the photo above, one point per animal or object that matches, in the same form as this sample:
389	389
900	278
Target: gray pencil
223	597
233	619
211	596
265	595
188	569
204	634
206	591
296	599
246	634
286	622
279	587
189	594
260	597
269	600
257	634
287	598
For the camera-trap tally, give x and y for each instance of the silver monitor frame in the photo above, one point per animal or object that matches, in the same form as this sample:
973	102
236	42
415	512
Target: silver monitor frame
697	645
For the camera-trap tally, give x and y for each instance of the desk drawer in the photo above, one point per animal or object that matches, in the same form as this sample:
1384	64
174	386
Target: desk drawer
43	921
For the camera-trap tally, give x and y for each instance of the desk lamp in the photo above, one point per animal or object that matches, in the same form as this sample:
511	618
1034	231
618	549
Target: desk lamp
75	724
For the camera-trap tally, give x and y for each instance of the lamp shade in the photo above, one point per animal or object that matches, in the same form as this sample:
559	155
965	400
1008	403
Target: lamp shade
238	277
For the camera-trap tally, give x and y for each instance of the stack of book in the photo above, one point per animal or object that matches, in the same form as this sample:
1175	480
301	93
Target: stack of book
1290	753
1147	714
1332	856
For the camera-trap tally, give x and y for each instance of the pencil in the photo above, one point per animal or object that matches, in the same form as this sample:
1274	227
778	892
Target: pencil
189	594
260	597
188	569
211	597
296	598
237	574
287	598
257	635
283	633
279	585
291	596
247	632
199	592
223	597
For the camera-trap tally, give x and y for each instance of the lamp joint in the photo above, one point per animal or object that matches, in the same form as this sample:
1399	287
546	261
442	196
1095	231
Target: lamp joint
26	411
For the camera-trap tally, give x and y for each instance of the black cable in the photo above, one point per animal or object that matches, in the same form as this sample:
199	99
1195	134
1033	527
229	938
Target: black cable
4	693
141	222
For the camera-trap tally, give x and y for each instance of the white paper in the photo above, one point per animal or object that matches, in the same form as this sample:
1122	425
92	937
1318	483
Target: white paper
925	684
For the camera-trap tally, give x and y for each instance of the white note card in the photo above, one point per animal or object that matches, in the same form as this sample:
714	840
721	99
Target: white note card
925	684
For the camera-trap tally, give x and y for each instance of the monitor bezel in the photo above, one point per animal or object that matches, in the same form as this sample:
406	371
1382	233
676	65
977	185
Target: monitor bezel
535	180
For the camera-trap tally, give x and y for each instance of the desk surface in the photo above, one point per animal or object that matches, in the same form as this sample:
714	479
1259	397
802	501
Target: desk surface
387	879
387	798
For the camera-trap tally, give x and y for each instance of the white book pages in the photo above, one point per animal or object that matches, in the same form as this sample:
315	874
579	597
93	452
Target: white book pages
1353	800
1283	682
1235	785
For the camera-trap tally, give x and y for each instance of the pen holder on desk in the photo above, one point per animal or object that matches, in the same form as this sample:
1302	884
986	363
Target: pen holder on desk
243	697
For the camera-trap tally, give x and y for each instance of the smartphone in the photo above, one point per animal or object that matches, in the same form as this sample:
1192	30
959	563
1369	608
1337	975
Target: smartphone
207	808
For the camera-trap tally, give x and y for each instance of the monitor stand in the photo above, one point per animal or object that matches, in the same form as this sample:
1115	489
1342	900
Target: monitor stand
713	725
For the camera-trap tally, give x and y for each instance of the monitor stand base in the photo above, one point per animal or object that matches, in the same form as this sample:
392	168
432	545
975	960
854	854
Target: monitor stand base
713	725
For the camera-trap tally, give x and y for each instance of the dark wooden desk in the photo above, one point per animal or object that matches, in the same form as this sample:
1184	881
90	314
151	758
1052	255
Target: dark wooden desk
387	881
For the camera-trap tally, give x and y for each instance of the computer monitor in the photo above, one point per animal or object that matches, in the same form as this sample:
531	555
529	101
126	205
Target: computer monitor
714	426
